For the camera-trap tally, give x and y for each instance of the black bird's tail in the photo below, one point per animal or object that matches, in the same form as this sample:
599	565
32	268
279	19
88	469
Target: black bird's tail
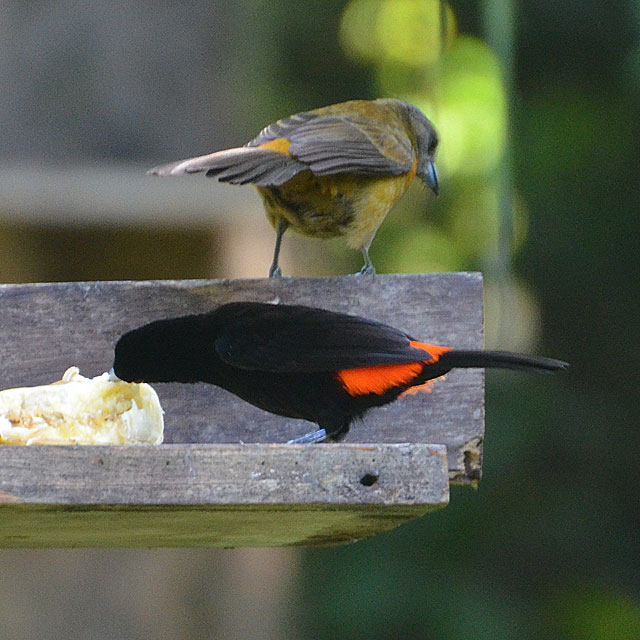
500	360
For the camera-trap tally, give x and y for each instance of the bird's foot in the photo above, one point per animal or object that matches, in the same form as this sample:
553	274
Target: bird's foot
309	438
367	270
275	271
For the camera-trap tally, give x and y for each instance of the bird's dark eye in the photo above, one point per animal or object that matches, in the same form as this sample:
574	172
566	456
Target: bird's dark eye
433	145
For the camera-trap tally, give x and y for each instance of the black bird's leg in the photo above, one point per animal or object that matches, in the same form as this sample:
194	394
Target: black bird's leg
310	438
275	271
331	433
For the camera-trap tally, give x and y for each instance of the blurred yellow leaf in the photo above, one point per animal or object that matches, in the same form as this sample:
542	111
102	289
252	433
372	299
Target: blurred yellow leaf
405	31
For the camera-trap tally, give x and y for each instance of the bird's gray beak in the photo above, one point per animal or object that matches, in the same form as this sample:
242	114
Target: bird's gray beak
431	177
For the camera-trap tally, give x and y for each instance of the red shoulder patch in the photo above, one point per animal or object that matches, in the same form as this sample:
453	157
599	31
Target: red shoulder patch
380	378
434	350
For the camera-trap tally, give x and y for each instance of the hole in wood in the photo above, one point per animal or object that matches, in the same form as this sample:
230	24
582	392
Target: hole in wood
368	479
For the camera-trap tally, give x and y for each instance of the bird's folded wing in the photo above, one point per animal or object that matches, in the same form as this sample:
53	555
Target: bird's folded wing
300	339
330	144
323	144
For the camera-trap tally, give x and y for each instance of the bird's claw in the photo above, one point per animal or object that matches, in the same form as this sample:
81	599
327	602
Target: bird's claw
367	270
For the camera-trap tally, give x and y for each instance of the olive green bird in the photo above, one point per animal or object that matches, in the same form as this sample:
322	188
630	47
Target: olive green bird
328	172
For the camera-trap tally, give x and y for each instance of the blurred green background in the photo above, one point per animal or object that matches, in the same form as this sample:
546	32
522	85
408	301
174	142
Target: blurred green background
537	106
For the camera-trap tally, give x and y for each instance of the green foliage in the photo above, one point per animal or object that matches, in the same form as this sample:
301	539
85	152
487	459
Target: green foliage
545	549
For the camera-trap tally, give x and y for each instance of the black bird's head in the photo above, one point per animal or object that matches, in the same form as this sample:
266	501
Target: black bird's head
425	142
172	350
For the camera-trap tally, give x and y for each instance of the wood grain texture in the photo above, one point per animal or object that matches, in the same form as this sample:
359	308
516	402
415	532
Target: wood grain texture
214	495
48	327
203	488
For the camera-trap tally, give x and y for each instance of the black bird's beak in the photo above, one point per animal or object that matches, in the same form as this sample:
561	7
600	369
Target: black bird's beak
431	177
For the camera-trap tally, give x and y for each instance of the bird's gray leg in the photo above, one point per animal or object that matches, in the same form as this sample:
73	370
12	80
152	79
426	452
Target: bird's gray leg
275	271
309	438
368	269
332	431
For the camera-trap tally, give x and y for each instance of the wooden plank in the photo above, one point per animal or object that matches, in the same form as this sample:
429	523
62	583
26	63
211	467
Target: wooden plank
214	495
48	327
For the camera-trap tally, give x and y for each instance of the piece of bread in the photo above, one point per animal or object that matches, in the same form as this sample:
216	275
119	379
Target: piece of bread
79	410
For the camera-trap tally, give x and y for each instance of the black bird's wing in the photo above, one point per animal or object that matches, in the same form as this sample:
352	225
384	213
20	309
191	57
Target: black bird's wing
324	144
283	338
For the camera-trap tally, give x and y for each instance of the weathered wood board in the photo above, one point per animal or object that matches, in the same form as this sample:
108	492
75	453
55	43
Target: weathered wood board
224	478
214	495
48	327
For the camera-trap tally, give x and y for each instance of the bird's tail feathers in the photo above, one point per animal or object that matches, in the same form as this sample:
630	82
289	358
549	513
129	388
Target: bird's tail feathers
501	360
256	165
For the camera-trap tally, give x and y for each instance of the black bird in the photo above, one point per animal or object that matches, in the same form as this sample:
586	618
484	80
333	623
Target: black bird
298	362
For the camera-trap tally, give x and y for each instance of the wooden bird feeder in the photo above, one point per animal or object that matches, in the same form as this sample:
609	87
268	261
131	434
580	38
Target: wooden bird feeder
224	476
